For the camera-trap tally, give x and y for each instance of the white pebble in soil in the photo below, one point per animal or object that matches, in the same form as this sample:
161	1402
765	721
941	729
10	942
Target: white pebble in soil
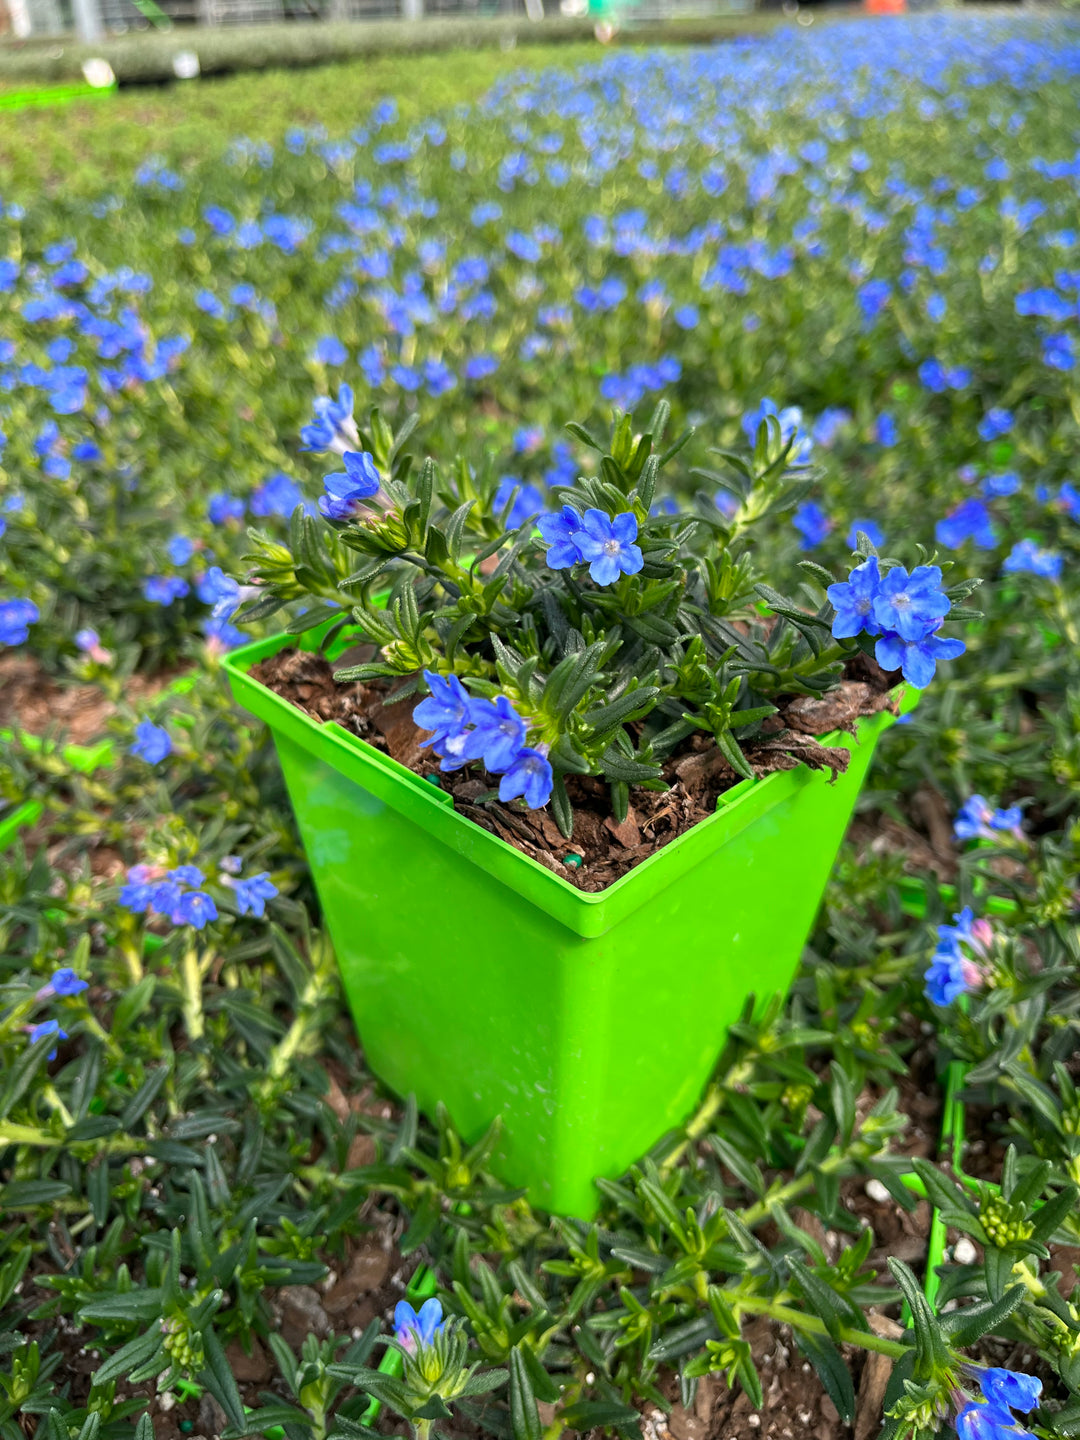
964	1252
877	1192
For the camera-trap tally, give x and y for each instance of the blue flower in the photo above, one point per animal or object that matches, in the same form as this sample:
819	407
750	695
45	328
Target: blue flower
528	501
530	776
194	908
812	523
46	1027
411	1329
945	978
885	431
978	820
187	875
445	711
152	743
16	617
558	532
969	521
853	600
873	297
64	982
916	659
345	489
164	589
987	1422
999	487
498	734
221	508
330	351
221	591
277	495
333	427
180	549
870	528
995	423
607	545
253	893
1010	1389
911	605
790	421
1026	555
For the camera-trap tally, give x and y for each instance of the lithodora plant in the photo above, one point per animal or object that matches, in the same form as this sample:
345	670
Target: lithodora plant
597	636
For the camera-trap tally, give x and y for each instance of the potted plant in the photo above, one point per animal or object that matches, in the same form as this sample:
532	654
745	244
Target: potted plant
573	807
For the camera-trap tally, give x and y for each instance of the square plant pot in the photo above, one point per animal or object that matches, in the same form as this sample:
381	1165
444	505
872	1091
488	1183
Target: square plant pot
589	1022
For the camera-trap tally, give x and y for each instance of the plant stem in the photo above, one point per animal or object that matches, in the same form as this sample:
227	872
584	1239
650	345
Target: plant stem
811	1325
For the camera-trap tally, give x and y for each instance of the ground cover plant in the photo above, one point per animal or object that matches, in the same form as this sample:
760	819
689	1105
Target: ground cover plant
200	1182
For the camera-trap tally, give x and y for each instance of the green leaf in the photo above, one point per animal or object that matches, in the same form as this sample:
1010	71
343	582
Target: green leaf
964	1327
931	1354
217	1377
524	1416
135	1352
833	1373
589	1414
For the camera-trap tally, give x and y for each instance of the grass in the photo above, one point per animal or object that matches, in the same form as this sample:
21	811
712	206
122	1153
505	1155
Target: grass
89	146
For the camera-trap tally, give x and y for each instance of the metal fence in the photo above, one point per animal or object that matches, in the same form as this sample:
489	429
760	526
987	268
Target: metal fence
94	18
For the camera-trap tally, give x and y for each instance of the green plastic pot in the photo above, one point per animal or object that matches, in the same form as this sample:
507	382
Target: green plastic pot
589	1023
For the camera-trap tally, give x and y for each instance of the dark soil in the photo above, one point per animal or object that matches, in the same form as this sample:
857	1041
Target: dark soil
601	849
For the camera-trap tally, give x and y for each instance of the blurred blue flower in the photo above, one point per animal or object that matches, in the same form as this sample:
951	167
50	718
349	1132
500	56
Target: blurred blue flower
969	521
221	508
152	743
252	894
528	501
812	523
63	982
995	423
180	549
194	908
870	528
1027	556
279	495
43	1028
16	617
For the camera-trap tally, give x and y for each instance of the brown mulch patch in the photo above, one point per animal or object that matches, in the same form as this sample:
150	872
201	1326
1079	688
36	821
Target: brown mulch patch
697	775
31	700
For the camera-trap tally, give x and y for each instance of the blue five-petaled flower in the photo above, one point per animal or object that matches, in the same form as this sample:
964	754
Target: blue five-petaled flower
595	539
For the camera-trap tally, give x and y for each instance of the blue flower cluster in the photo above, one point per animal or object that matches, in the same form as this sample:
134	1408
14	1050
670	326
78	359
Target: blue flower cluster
595	539
170	894
902	611
952	972
467	729
978	820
